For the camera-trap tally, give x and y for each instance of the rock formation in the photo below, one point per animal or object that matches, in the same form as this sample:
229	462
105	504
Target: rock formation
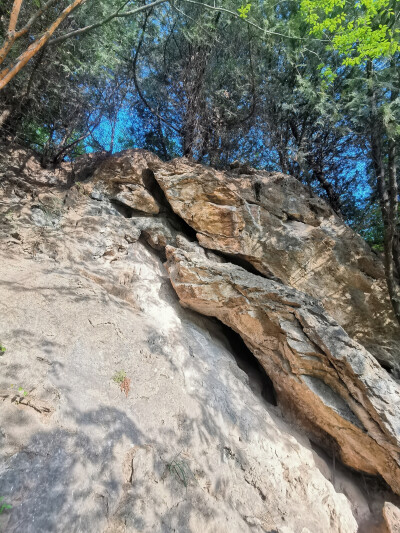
189	443
273	222
329	383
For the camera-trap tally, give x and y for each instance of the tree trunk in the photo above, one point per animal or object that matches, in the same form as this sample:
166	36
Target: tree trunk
388	195
396	251
333	197
390	231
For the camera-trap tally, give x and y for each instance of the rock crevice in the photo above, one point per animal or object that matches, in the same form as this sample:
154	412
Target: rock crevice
344	393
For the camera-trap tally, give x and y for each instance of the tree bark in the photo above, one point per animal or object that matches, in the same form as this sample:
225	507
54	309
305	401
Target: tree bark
8	74
390	231
387	193
396	251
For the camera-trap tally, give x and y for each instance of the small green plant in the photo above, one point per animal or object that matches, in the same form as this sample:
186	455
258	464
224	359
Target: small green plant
4	506
244	11
80	187
53	207
180	469
9	216
2	349
20	394
123	381
119	377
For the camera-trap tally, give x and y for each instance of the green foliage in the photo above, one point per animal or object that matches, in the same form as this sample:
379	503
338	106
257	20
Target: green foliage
21	391
365	29
244	11
4	506
2	349
38	135
119	377
369	224
180	469
64	91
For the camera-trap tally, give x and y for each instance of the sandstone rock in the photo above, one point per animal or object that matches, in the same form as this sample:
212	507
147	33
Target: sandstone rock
273	222
20	170
125	179
99	461
324	380
391	516
84	297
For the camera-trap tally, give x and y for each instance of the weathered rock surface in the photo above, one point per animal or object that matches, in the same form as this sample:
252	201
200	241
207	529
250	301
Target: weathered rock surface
194	446
391	515
125	178
273	222
326	380
92	459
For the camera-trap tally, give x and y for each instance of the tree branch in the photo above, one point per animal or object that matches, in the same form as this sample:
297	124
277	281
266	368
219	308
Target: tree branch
116	14
8	74
135	81
13	35
250	23
34	17
14	16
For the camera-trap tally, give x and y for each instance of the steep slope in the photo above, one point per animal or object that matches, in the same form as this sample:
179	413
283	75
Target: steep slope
190	444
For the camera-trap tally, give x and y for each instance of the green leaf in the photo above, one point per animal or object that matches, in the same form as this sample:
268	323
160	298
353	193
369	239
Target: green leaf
244	11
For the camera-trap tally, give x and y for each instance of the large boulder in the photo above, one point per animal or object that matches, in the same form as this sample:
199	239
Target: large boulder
326	381
125	179
275	224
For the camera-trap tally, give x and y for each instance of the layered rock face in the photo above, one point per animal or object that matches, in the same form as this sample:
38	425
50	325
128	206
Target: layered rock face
326	381
274	223
189	443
